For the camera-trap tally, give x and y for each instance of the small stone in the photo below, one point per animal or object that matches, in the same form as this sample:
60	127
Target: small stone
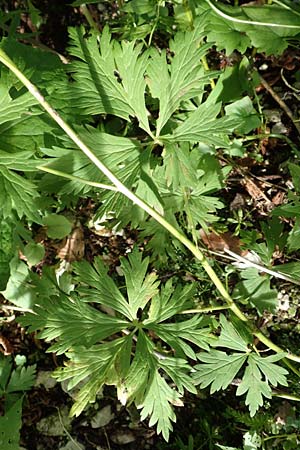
102	418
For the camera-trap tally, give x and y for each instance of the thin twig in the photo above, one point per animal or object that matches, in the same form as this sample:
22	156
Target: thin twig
281	103
264	269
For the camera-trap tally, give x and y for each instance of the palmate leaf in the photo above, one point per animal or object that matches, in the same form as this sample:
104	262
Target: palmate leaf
218	369
177	335
157	404
22	379
169	302
23	126
148	388
72	322
231	338
224	33
104	290
17	193
183	78
180	165
155	235
20	161
178	370
140	287
92	367
203	126
132	363
7	249
120	154
19	139
194	199
109	78
255	387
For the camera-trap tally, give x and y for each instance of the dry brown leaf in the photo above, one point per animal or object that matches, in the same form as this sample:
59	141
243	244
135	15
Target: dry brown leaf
72	248
254	190
5	346
219	242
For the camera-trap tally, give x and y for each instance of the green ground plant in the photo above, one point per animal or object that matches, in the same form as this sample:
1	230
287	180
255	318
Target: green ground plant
140	130
13	384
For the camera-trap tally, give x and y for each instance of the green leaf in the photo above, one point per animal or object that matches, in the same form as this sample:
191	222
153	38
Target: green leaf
156	235
17	193
121	155
255	387
275	236
199	207
58	226
140	287
295	172
176	334
108	78
180	165
34	253
7	250
170	301
293	241
232	28
218	370
203	126
10	425
18	161
136	381
22	379
256	289
243	111
18	290
5	370
149	390
179	371
72	322
273	373
252	441
230	338
180	80
291	269
24	137
224	34
104	289
91	367
14	108
157	404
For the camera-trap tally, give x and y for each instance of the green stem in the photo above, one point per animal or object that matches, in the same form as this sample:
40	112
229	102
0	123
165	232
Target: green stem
277	436
249	22
138	201
203	310
86	12
78	179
